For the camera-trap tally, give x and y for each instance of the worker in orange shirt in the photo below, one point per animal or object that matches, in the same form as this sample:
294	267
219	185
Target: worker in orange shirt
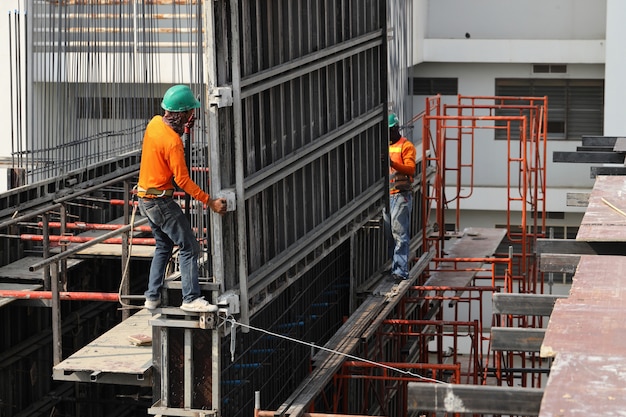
398	220
162	163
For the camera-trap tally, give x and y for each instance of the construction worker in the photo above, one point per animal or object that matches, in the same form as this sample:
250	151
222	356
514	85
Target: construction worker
398	220
162	163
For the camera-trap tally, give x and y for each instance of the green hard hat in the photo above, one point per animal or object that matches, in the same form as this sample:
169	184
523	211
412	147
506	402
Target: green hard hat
179	98
393	120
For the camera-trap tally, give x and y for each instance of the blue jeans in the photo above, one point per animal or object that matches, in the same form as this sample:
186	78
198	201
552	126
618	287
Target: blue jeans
398	232
170	227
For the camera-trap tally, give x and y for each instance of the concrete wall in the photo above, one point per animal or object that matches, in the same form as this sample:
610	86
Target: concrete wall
512	19
615	91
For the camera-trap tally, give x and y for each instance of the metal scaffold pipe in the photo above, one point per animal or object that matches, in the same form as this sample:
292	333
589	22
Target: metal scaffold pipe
71	251
47	295
97	226
84	239
267	413
93	226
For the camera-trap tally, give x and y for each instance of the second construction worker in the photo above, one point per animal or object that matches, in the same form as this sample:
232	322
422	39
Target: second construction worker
398	220
162	163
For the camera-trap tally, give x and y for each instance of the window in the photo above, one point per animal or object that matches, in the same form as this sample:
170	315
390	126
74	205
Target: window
434	86
549	68
575	107
118	107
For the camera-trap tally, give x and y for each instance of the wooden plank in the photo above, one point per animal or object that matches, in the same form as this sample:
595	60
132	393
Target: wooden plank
590	321
524	304
594	149
620	145
585	329
558	263
112	358
597	171
588	157
599	280
516	339
601	223
586	336
115	251
565	246
599	140
18	270
474	399
585	385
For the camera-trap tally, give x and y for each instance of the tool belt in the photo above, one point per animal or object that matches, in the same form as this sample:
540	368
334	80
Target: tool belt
154	192
402	182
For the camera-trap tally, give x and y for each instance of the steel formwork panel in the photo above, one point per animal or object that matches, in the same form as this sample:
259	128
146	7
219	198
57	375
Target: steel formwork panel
306	132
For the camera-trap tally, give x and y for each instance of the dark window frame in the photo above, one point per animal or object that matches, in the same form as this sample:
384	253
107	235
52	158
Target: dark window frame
575	106
431	86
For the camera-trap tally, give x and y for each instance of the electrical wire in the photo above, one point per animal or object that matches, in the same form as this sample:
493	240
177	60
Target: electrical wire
234	323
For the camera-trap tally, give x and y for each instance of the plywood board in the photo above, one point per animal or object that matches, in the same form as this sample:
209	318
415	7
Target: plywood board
586	336
605	217
19	269
585	385
599	280
620	145
112	250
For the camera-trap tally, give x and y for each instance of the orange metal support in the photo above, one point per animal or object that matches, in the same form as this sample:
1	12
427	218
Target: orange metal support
83	239
449	143
47	295
93	226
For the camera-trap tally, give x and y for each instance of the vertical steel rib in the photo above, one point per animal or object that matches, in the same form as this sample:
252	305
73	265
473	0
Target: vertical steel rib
239	165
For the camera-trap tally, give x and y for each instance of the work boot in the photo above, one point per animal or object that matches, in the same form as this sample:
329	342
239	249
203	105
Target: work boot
199	305
152	304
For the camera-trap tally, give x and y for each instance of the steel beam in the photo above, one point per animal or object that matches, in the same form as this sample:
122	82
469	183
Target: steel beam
474	399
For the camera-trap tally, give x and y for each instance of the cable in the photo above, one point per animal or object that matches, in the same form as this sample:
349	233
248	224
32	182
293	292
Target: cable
130	250
234	322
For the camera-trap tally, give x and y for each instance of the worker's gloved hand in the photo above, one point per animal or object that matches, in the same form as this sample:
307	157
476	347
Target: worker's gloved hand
218	205
190	122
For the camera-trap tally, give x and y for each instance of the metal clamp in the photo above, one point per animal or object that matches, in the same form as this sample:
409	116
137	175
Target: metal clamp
221	96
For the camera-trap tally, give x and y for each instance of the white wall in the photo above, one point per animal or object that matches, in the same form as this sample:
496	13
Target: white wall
514	19
7	8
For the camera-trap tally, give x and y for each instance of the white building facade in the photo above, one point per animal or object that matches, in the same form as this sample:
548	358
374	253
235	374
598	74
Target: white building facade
570	49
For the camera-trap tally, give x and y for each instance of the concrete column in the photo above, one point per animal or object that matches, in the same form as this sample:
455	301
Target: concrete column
615	66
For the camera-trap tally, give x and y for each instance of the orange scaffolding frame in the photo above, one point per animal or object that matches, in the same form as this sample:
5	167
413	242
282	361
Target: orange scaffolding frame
449	147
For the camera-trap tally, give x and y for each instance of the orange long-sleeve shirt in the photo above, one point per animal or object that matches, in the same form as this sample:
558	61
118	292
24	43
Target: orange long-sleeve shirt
163	160
402	156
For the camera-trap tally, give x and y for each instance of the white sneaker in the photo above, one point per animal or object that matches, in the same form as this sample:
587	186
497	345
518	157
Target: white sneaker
152	304
199	305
